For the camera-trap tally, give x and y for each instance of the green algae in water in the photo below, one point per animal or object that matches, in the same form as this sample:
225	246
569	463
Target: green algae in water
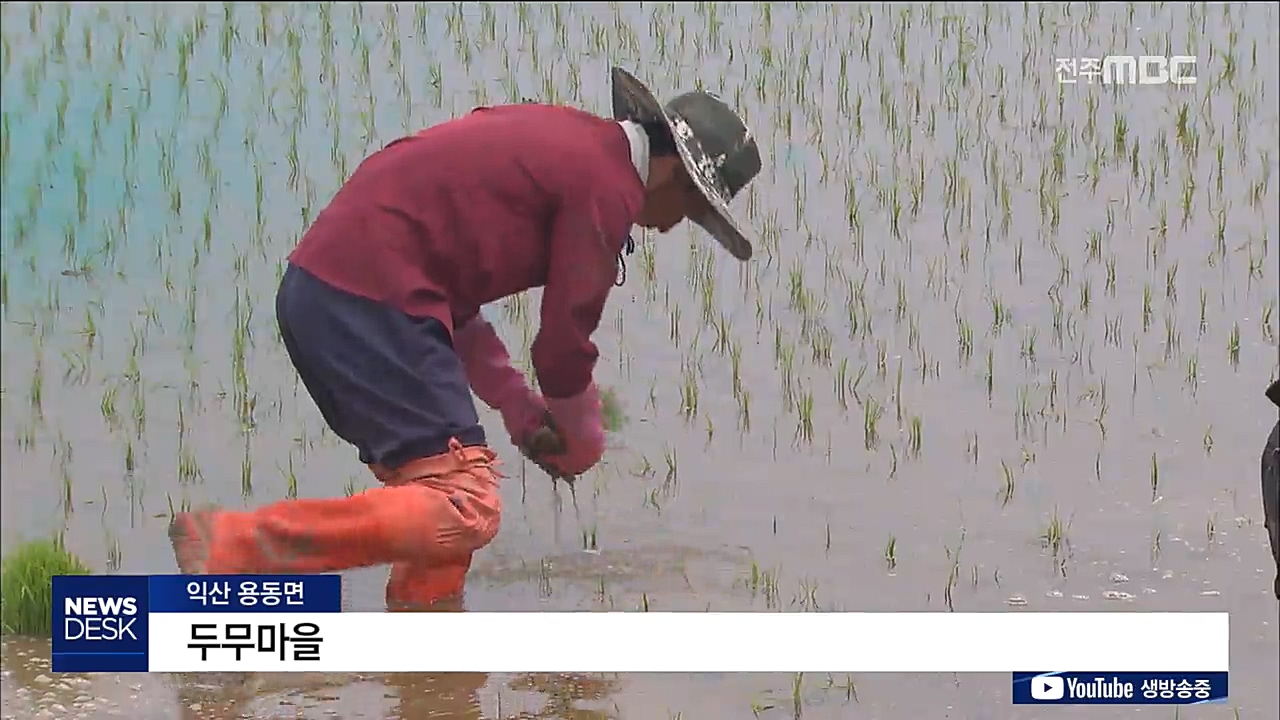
26	585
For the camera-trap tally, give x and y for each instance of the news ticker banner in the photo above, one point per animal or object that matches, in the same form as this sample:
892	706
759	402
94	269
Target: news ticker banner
216	623
114	623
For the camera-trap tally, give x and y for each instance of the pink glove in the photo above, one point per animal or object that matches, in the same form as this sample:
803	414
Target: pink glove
579	421
495	382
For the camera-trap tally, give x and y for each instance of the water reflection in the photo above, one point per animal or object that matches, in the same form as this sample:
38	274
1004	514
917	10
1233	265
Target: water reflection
401	696
565	691
425	695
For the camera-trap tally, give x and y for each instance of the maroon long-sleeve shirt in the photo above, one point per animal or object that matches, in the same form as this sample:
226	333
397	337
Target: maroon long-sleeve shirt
473	210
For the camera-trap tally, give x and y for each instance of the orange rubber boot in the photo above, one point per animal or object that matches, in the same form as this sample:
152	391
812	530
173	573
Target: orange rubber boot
437	508
422	584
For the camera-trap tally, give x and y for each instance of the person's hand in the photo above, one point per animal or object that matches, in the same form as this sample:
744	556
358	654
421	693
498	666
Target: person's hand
529	419
580	428
544	442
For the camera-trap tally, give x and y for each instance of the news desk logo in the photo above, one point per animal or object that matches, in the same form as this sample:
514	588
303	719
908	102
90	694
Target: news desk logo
99	618
1127	70
99	623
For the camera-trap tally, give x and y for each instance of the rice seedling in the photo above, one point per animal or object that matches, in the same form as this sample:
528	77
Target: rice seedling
611	410
26	585
1155	479
872	411
1054	537
891	554
1008	484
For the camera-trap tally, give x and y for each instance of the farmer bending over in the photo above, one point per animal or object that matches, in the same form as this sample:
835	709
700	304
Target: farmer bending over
1271	485
379	311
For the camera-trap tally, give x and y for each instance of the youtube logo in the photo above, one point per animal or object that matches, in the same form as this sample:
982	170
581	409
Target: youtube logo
1046	687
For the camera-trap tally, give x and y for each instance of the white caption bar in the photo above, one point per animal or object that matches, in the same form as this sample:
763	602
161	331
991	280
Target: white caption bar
707	642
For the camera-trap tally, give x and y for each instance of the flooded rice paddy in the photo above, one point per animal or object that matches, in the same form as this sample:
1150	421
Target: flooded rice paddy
1002	347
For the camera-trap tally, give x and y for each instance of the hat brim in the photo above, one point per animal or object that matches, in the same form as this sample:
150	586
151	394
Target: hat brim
633	101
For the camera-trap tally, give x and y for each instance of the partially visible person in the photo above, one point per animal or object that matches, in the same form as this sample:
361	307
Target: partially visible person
1271	484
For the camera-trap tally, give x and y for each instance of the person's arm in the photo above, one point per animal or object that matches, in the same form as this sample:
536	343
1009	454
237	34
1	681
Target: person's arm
493	379
587	234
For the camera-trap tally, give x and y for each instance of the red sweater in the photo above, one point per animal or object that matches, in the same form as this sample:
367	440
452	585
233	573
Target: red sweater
473	210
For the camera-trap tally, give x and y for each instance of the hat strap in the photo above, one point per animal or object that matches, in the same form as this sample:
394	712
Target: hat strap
627	249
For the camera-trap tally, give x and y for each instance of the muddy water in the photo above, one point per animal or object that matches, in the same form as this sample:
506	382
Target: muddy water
1057	302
